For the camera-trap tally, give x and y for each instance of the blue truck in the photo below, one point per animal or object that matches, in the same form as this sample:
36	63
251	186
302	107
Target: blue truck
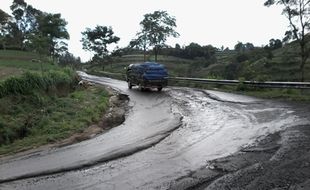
147	75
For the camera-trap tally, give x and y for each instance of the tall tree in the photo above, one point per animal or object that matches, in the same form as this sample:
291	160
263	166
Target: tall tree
26	19
4	24
241	48
158	26
275	44
98	39
68	59
53	28
298	15
141	42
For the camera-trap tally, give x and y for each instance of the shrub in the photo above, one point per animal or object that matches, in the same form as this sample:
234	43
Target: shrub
34	81
241	86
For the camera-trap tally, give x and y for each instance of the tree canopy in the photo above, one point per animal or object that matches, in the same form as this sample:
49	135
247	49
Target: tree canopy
157	27
4	20
32	29
298	14
98	39
240	47
141	42
53	28
25	20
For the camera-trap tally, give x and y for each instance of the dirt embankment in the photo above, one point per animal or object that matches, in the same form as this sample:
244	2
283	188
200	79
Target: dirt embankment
118	105
114	116
280	161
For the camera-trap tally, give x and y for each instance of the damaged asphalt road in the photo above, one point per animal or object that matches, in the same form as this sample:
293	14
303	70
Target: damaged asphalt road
180	138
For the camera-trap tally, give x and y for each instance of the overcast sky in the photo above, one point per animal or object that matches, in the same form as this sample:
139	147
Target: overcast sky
215	22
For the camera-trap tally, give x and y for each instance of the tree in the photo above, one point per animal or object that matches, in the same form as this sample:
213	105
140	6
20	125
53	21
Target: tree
3	17
4	24
68	59
275	44
194	50
53	28
298	14
26	20
157	27
241	48
141	42
177	46
249	46
97	40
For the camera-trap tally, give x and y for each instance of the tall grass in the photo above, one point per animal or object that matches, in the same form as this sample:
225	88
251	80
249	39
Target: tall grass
37	108
34	81
38	118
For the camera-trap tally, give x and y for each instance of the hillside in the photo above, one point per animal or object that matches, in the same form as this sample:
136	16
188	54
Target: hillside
14	63
257	64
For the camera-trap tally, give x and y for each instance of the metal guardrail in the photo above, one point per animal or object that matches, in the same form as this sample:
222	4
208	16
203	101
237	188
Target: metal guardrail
267	84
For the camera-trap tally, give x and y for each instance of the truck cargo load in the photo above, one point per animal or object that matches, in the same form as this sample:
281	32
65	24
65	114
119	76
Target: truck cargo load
147	75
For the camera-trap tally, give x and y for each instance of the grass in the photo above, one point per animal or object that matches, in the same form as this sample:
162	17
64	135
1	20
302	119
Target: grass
36	119
26	65
6	72
14	54
38	108
280	94
28	82
15	63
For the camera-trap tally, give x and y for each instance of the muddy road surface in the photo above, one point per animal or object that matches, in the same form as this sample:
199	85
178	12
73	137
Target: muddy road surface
179	138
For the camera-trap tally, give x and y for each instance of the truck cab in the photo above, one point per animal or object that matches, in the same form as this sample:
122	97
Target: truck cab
147	75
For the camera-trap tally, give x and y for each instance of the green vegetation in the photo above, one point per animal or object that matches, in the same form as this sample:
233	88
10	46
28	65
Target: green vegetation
42	106
280	94
259	64
29	82
297	13
274	62
39	118
31	29
156	27
97	40
14	63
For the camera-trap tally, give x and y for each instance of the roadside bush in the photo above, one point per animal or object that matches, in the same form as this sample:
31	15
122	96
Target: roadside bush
6	135
35	81
241	86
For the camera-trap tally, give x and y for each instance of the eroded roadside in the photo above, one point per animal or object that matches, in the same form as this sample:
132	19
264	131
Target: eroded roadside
279	161
114	116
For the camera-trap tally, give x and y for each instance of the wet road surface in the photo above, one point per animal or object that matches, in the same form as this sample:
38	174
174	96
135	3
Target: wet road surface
166	135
